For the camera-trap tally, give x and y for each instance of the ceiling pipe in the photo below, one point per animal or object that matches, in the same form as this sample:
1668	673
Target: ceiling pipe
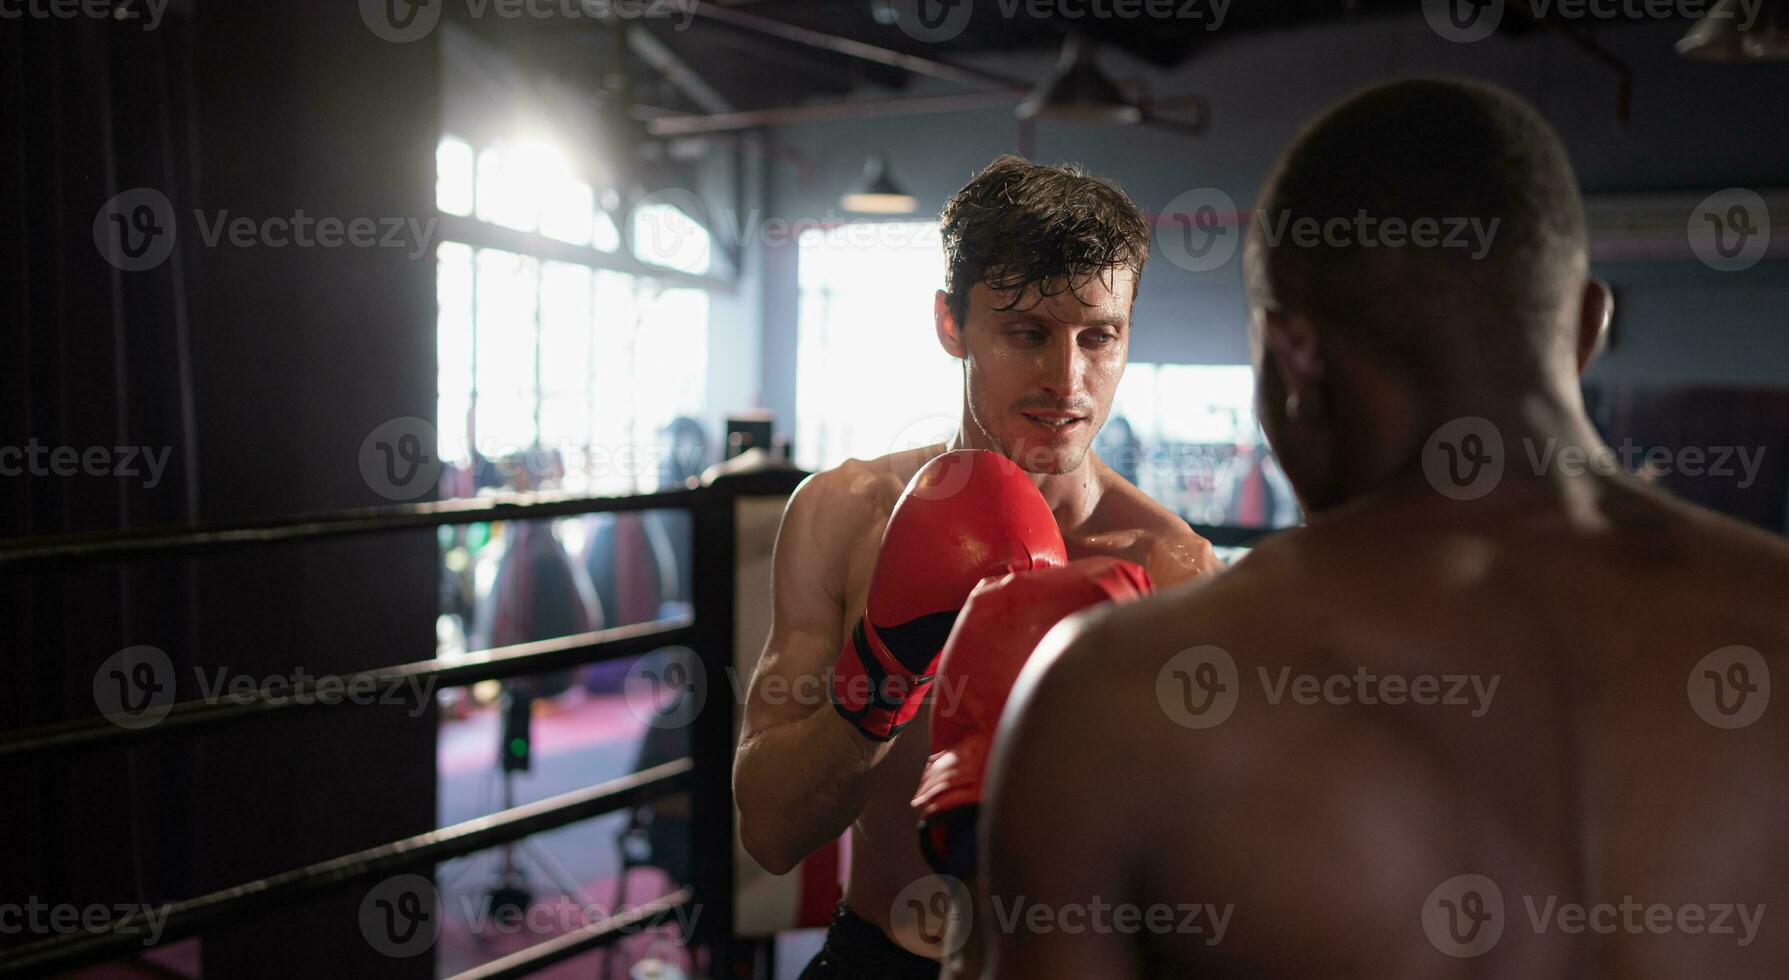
944	71
995	90
675	70
791	115
1623	76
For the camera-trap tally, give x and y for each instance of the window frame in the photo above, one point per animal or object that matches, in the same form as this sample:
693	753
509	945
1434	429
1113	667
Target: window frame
479	235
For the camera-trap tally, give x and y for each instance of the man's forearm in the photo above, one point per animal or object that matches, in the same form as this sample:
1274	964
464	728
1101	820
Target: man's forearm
800	785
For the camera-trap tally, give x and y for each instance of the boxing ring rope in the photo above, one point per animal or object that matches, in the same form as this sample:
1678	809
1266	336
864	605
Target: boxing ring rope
539	656
58	551
191	916
705	774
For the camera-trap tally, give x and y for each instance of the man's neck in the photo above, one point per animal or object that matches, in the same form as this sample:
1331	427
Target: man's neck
1072	496
1532	428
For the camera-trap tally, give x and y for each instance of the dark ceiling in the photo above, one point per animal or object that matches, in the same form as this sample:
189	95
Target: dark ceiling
754	70
731	46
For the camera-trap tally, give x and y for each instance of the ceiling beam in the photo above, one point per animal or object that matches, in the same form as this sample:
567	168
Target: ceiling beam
850	48
666	62
688	125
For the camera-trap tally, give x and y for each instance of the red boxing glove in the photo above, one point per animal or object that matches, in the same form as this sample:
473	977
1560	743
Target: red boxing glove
1001	625
964	516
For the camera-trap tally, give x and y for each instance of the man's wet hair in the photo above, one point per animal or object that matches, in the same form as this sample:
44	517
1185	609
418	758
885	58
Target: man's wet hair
1037	230
1444	150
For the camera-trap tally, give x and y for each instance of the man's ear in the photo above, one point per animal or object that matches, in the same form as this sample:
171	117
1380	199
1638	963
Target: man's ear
950	332
1596	310
1292	340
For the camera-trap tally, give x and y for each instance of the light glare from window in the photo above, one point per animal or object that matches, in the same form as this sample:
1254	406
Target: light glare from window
453	176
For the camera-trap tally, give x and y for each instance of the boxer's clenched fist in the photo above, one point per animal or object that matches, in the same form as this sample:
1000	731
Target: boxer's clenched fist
1002	623
964	516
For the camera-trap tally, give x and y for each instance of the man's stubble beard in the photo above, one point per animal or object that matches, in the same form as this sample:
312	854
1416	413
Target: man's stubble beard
1066	461
1040	460
1071	457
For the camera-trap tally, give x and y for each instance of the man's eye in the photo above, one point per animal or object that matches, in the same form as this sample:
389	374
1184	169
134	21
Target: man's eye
1101	340
1030	335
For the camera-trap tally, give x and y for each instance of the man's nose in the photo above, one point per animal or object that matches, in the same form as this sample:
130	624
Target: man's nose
1062	367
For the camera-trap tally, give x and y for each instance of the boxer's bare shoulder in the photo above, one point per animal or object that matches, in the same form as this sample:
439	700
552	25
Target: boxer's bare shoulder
849	492
1360	711
839	515
825	552
1129	524
869	485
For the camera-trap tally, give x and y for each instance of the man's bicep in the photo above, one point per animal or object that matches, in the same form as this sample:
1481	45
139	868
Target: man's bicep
789	681
1056	856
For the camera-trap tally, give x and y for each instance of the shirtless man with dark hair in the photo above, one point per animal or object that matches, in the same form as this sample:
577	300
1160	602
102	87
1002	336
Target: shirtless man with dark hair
1281	757
1042	266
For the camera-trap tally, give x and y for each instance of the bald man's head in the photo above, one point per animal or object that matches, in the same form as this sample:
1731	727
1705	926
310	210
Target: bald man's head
1418	255
1477	194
